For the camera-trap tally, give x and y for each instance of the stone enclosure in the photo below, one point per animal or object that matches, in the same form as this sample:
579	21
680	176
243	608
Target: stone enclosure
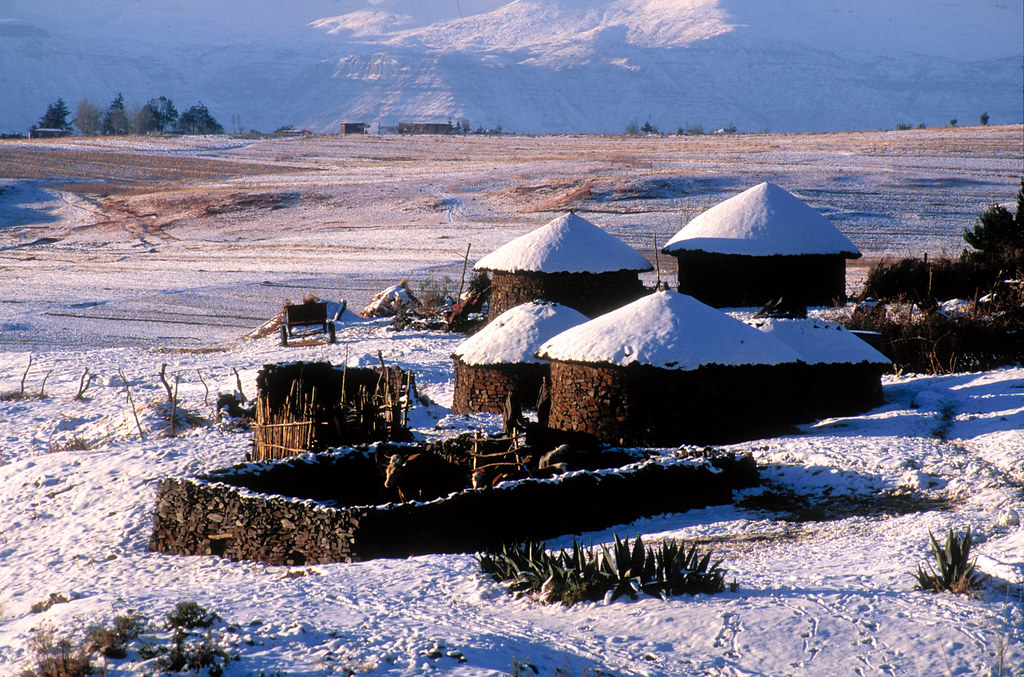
324	508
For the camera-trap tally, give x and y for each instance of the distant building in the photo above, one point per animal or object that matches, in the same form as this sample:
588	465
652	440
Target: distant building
355	127
48	132
426	128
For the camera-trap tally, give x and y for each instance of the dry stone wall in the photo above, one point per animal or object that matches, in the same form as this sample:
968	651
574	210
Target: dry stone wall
203	517
726	280
485	387
590	293
641	405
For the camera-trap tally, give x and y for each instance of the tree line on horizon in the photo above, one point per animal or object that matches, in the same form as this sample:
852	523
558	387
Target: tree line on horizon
158	115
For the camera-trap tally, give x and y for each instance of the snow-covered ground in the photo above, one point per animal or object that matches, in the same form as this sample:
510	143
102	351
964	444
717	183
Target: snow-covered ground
824	587
823	553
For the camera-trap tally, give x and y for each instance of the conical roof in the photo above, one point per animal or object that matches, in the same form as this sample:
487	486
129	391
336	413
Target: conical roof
567	244
669	330
820	342
514	336
762	221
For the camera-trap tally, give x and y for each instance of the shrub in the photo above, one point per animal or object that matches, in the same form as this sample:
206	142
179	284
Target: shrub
435	295
195	656
190	615
955	570
480	283
580	573
57	656
112	642
922	281
931	342
997	232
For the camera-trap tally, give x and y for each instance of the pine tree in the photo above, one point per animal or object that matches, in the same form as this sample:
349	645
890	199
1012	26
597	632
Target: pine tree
197	120
115	121
997	232
983	119
165	115
56	116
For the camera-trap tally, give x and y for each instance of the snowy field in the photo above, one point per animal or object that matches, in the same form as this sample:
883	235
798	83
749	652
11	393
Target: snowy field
120	257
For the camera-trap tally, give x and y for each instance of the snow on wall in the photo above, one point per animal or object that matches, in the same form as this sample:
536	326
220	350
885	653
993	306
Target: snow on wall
820	342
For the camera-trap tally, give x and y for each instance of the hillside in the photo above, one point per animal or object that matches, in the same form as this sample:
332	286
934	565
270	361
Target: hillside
529	66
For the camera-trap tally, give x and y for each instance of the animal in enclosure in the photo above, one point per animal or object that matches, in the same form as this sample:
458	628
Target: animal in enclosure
423	476
494	474
558	458
542	439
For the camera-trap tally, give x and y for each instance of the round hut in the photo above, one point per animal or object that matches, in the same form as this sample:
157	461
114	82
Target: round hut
666	370
842	373
500	360
569	261
759	246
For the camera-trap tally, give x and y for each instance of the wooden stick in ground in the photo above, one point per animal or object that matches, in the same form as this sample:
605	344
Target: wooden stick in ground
408	397
25	376
83	384
170	398
174	406
238	379
131	402
465	263
657	264
206	395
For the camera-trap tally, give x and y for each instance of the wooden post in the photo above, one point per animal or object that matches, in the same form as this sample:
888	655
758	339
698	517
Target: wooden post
657	265
465	263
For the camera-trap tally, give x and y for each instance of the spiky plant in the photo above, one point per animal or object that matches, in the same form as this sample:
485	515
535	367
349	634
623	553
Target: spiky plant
581	573
954	570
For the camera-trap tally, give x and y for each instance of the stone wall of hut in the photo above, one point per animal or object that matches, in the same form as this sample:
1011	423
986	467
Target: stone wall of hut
640	405
728	281
841	389
644	406
485	387
590	293
200	517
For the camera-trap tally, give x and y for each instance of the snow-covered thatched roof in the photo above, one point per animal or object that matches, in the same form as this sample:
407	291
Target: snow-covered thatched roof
567	244
820	342
669	330
514	336
762	221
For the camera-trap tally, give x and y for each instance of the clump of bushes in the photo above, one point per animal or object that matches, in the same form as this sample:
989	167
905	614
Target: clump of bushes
954	570
580	573
127	638
928	341
57	656
906	294
921	281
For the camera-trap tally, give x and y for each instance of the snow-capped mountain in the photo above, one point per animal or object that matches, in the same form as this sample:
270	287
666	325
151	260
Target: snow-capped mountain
527	65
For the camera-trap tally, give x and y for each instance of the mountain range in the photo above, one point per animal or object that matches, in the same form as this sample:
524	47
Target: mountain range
527	66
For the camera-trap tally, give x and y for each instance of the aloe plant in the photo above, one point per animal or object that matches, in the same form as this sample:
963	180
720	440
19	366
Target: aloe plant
954	570
625	568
